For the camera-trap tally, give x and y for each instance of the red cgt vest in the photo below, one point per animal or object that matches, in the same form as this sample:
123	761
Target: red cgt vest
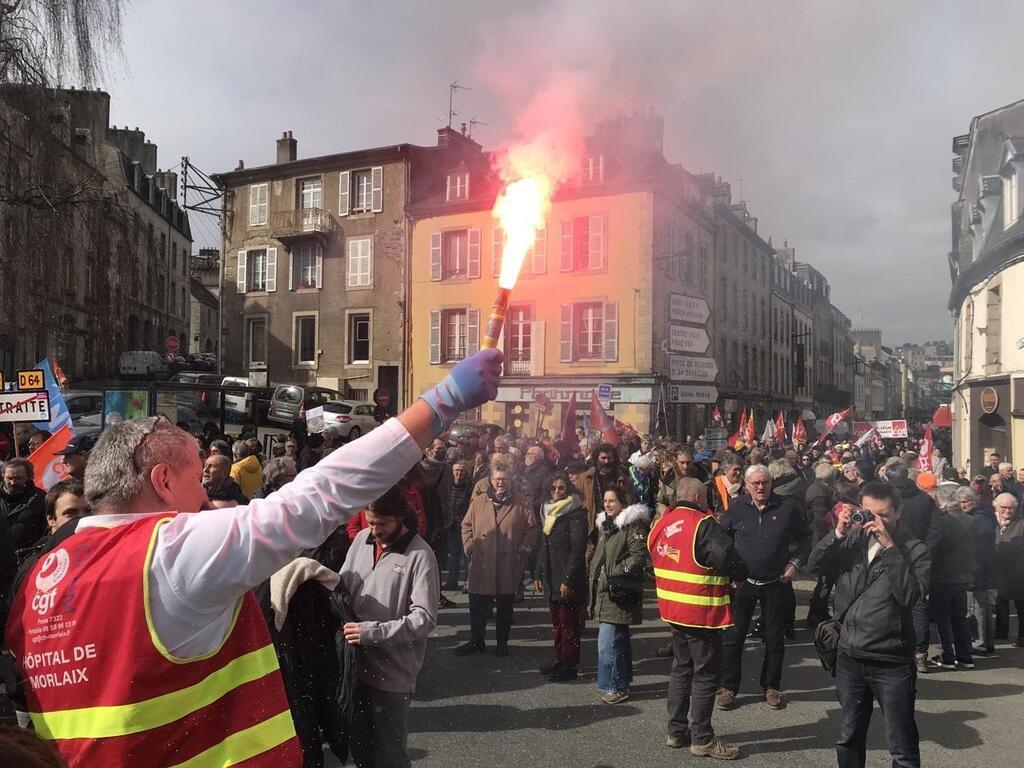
103	688
689	594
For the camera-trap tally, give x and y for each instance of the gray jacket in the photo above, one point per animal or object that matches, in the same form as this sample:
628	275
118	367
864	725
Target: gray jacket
395	600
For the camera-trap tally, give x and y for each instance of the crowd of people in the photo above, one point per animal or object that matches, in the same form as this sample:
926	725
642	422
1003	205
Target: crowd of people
721	535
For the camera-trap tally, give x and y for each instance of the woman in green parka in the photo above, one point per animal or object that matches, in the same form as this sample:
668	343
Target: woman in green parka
616	590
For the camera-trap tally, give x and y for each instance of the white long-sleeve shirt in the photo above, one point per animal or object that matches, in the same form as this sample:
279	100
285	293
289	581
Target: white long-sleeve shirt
205	562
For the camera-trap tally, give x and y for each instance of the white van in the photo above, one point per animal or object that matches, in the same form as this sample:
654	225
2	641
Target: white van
142	364
237	402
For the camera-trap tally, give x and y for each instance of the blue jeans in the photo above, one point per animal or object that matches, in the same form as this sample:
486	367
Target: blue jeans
947	606
456	556
894	686
921	626
614	658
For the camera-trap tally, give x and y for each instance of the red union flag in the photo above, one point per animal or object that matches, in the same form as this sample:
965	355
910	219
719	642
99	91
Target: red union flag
569	422
599	420
740	433
716	416
47	466
924	451
749	436
799	433
832	421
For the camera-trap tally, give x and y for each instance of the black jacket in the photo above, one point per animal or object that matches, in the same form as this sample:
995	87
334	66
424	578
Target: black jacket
951	545
714	548
880	596
769	539
819	500
25	515
916	508
984	548
229	490
563	554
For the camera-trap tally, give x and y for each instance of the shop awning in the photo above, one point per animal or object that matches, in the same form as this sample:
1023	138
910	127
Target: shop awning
942	418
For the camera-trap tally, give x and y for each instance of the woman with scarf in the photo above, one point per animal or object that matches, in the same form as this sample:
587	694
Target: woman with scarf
563	571
616	590
498	534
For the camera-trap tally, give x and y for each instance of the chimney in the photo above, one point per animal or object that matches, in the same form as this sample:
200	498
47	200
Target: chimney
287	148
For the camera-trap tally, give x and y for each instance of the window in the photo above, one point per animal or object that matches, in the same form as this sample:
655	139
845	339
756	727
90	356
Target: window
1011	200
589	331
258	194
455	253
307	266
454	333
256	340
257	270
361	191
359	339
536	255
520	340
582	244
311	193
457	187
592	171
360	263
305	341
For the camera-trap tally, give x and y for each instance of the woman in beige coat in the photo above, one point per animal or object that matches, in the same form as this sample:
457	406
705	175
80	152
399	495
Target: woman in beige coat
498	533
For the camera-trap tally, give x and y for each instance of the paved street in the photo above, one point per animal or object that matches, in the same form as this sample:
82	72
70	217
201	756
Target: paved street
485	711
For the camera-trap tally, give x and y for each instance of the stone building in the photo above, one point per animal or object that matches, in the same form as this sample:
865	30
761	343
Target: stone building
95	249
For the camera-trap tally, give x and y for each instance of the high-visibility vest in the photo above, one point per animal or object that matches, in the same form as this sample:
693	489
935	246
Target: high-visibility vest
722	486
105	691
689	594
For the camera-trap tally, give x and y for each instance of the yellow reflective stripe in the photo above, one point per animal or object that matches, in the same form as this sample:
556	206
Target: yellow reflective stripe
690	578
246	744
124	719
157	643
681	597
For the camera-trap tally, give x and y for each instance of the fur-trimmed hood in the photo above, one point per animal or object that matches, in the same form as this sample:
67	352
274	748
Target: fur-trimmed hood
634	513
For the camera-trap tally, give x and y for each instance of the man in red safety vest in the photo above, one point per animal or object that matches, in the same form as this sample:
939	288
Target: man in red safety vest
135	632
694	561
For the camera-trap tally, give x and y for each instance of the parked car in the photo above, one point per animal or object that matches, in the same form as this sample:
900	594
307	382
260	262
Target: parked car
354	418
291	401
82	403
246	406
464	431
142	364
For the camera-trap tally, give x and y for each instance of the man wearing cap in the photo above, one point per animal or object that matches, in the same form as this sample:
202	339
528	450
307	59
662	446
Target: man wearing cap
76	455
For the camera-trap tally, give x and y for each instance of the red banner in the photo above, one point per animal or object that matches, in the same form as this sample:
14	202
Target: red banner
599	420
924	451
569	422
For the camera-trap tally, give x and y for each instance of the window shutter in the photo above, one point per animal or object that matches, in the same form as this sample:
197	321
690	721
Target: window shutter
344	187
565	337
540	251
435	336
377	188
291	270
474	253
368	260
597	242
472	331
271	269
435	256
611	331
448	189
319	267
498	245
253	204
240	284
565	262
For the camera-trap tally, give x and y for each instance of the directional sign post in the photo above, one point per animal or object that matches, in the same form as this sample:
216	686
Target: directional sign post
682	368
692	393
688	309
32	380
684	339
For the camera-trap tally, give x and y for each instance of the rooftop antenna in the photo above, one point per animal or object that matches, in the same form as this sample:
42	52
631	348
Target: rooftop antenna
451	99
473	123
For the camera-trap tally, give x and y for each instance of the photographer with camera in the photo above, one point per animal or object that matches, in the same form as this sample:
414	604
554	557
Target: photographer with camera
881	572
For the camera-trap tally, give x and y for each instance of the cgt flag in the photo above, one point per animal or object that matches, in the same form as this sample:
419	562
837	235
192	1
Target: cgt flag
799	433
833	421
740	433
600	421
47	467
716	417
924	450
749	436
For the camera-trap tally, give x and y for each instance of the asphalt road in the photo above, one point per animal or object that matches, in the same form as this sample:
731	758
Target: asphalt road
487	711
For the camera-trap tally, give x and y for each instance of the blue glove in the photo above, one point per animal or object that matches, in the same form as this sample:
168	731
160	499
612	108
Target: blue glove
472	382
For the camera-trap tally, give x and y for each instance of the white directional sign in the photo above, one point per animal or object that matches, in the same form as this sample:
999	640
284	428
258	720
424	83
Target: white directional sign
684	339
682	368
692	393
24	406
688	309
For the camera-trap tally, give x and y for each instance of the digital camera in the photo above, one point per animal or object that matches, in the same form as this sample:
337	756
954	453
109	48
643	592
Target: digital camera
861	517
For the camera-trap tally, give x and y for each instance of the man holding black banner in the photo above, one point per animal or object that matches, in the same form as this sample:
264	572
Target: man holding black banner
881	572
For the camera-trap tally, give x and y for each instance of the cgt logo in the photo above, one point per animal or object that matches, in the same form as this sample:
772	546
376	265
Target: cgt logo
53	570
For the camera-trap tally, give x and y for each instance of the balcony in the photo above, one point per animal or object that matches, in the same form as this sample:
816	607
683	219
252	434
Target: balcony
291	226
528	360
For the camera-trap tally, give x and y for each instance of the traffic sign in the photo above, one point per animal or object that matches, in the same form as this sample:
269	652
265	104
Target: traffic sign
685	339
604	395
24	406
32	380
683	368
692	393
688	309
716	437
173	345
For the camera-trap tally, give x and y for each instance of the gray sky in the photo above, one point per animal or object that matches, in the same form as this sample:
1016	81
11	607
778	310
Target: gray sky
837	116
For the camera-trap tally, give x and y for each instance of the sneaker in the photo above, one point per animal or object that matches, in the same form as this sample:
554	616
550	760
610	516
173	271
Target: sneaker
547	669
715	748
725	700
563	675
613	697
677	742
501	649
922	663
469	648
965	664
1018	643
980	650
773	698
444	602
665	652
936	662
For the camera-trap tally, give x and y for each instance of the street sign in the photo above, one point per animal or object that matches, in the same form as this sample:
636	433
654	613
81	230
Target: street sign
24	406
604	394
173	345
716	437
687	309
33	380
685	339
692	393
682	368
